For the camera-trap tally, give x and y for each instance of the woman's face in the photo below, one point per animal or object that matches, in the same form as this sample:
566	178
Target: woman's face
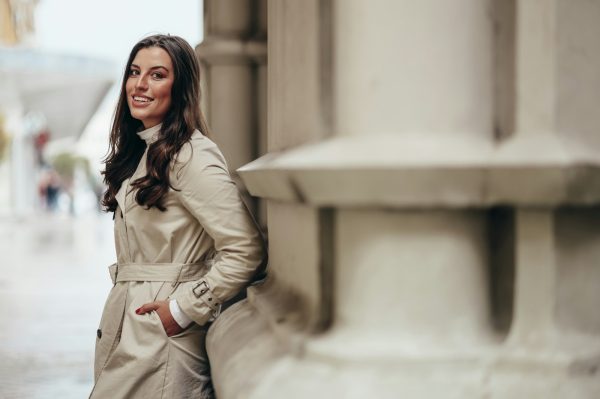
149	84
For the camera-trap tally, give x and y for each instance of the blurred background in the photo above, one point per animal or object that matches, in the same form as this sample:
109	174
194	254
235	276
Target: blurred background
427	173
60	66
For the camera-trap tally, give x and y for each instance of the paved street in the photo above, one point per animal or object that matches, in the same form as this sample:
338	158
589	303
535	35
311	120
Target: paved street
53	283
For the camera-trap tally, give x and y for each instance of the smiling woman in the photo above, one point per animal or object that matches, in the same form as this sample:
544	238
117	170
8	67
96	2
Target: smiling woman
149	85
185	242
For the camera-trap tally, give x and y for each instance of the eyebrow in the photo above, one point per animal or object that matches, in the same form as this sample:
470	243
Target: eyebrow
153	68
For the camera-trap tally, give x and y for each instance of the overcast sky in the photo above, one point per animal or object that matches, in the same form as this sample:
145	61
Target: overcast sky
109	28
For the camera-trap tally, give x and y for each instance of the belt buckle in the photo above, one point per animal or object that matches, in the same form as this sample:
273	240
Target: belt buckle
202	286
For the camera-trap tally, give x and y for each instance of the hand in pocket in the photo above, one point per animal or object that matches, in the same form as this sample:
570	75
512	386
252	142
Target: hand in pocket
164	313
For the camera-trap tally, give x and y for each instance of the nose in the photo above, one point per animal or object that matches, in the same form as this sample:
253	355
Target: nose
141	82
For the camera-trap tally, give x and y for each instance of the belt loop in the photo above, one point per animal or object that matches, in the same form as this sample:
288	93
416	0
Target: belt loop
113	271
174	283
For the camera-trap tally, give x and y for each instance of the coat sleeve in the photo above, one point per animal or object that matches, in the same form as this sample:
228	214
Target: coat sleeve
209	194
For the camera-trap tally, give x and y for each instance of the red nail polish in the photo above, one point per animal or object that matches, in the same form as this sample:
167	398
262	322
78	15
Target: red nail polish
138	310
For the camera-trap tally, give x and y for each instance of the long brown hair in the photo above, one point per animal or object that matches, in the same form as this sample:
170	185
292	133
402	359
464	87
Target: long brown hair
126	147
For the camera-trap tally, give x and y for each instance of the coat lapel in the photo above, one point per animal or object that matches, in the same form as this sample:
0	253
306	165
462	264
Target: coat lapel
126	197
120	197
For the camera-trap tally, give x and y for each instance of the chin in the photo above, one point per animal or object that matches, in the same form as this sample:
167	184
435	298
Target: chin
137	115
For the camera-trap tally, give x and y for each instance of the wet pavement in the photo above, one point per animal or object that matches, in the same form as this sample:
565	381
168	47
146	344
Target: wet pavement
53	283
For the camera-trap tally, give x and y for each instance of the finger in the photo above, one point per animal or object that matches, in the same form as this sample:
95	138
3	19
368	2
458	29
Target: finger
147	307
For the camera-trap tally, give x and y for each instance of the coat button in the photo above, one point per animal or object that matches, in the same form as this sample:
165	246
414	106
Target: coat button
99	333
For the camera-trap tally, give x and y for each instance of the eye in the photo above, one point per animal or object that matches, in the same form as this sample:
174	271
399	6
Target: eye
158	75
134	72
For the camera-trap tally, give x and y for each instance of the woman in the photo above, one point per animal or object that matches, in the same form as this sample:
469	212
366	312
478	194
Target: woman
184	240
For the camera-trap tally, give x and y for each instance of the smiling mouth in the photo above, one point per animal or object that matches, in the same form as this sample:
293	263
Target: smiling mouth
142	99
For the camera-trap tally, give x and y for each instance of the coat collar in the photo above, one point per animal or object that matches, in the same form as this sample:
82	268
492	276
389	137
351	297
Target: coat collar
150	135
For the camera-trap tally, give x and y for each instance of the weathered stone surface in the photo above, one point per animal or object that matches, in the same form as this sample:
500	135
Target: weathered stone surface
432	194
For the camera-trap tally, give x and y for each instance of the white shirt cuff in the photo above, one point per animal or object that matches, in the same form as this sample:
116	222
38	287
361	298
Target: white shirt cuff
181	318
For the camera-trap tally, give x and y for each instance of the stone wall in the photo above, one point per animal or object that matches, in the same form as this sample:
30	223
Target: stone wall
431	181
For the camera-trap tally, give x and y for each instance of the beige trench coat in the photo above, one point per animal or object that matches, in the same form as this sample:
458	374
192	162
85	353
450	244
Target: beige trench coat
202	251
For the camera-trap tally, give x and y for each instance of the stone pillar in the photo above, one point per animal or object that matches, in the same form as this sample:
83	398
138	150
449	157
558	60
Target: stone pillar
432	190
233	58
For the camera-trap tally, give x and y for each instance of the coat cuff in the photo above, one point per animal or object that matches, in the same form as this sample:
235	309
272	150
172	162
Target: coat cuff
180	317
199	302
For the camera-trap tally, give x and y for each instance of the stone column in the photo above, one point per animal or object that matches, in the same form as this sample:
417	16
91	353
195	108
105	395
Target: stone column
431	179
233	58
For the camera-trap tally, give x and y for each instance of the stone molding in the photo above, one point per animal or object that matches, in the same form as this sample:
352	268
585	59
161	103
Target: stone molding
429	172
216	51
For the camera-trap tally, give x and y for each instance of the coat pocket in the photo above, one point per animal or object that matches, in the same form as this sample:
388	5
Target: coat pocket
109	330
157	324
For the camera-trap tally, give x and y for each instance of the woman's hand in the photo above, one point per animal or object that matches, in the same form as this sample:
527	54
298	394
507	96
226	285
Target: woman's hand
162	309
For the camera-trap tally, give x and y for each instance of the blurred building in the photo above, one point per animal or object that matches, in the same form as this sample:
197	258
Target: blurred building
43	98
17	21
429	177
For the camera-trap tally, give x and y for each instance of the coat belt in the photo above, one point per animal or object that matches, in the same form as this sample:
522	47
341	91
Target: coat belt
168	272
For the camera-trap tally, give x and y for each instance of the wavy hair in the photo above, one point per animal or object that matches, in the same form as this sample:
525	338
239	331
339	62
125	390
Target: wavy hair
184	116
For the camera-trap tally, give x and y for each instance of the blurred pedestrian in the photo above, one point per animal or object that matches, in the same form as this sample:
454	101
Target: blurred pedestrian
49	187
185	242
53	188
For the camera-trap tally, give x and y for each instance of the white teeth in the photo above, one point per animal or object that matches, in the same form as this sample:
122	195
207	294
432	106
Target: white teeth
141	99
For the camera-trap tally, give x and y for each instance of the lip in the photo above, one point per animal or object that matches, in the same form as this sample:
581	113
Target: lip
139	104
